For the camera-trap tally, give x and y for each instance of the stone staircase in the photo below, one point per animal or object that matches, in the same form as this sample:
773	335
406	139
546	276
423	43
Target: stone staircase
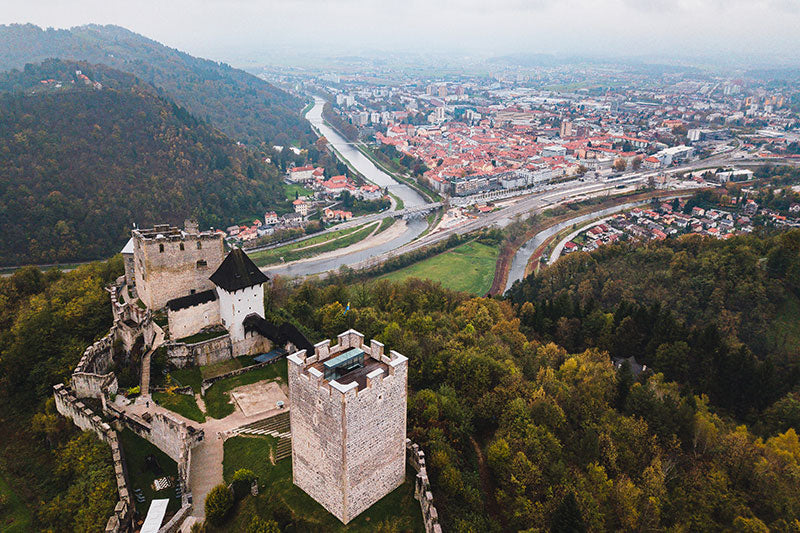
275	426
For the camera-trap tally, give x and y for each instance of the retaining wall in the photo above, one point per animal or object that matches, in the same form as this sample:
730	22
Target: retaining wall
201	353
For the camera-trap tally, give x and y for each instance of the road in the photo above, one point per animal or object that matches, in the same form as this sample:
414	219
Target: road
536	201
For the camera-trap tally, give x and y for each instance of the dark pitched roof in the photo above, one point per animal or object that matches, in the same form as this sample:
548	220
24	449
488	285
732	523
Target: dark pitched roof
176	304
282	334
290	333
237	272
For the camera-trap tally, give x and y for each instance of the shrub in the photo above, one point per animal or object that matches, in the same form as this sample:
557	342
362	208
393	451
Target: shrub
241	482
259	525
218	503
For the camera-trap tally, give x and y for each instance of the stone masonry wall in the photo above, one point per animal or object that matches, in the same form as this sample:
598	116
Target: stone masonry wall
317	440
422	488
162	276
91	377
201	353
84	418
375	439
348	446
190	320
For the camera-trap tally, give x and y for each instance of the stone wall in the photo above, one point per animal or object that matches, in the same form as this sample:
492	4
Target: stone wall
84	418
348	445
252	344
181	267
422	488
190	320
207	352
172	436
91	377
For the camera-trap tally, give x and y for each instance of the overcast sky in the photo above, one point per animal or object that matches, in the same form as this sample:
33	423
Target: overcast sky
237	29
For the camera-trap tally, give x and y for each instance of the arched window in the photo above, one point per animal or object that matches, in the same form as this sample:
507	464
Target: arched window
160	248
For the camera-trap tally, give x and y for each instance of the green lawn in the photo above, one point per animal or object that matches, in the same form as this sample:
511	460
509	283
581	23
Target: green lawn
219	368
249	452
280	498
187	377
468	267
183	404
292	188
15	517
216	398
203	336
136	449
325	243
386	223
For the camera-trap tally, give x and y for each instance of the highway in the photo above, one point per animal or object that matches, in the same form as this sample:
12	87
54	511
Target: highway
525	204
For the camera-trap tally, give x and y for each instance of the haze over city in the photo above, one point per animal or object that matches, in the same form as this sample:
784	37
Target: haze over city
244	31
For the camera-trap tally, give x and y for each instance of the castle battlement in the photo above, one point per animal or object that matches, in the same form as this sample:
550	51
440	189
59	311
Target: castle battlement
348	421
169	262
375	368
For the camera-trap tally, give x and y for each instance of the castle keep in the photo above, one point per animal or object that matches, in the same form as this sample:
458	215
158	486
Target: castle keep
169	262
348	422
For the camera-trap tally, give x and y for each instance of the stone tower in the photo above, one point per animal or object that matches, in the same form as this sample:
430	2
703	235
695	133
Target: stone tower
169	262
348	419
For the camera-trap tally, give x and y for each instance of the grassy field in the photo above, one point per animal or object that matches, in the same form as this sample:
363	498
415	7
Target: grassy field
217	399
278	493
386	223
313	246
203	336
292	188
136	450
222	367
249	452
15	517
468	267
183	404
187	377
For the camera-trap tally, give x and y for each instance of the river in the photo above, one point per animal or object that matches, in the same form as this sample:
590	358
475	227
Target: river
525	252
361	163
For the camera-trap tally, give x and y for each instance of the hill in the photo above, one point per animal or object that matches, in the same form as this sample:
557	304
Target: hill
716	316
245	107
79	165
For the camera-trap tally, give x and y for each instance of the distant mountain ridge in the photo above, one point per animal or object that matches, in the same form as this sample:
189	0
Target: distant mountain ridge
81	161
241	105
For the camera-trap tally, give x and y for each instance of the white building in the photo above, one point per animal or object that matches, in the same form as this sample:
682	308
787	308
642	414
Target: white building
241	292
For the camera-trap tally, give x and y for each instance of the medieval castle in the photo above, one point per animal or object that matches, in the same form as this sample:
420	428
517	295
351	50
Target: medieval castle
347	402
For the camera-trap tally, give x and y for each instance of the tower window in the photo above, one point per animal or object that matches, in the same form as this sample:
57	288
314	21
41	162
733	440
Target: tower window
181	247
160	248
199	245
202	263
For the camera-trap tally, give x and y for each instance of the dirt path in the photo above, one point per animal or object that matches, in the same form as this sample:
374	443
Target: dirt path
486	482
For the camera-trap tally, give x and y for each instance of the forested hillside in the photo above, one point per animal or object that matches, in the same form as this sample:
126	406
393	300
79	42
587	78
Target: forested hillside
520	434
52	477
717	316
523	435
240	104
79	165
